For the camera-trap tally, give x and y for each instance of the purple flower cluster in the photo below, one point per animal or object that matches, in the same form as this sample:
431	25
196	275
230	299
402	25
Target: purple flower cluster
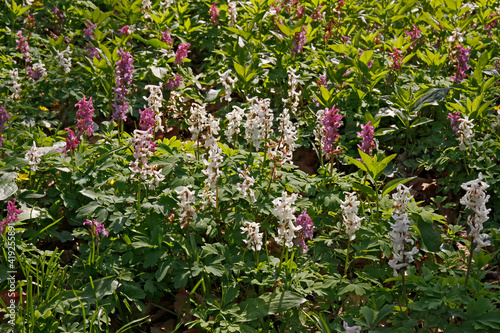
182	53
322	81
88	31
97	228
306	231
166	37
84	115
331	123
461	58
12	213
71	142
23	46
367	132
317	15
92	51
414	34
147	120
455	122
3	119
123	71
174	83
492	24
299	40
214	14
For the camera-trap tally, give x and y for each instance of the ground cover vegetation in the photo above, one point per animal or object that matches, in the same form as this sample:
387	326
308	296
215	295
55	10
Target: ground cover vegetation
249	166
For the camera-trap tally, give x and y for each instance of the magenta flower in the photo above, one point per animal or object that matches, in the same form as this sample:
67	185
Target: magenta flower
92	52
322	81
123	71
461	58
84	115
23	46
397	59
174	83
331	123
367	144
306	230
182	53
3	119
214	14
97	228
166	37
124	30
88	31
299	40
12	213
147	121
455	122
71	142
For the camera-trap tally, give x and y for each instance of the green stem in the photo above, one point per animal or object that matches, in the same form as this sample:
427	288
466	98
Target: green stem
347	257
469	262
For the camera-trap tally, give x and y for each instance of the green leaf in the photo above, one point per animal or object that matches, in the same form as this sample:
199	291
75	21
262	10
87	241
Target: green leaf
390	186
8	185
240	70
102	287
431	98
215	269
369	314
269	304
365	190
357	163
429	235
358	288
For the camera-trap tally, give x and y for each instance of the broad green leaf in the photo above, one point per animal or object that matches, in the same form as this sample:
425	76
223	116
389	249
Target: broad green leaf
432	97
390	186
429	235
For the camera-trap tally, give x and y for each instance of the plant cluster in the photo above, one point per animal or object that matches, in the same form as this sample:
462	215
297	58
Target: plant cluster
249	166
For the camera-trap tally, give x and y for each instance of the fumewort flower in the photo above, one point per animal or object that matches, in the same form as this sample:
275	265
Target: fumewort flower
147	120
187	211
3	120
212	163
166	37
144	148
287	144
306	230
245	186
23	46
155	100
352	221
214	14
456	36
234	121
232	12
461	58
228	83
259	120
331	121
366	134
455	121
146	8
84	115
465	133
397	59
254	237
71	142
92	51
475	200
293	94
97	228
88	31
33	157
12	213
197	121
37	71
284	211
351	329
299	40
182	53
64	59
16	86
174	82
123	71
399	234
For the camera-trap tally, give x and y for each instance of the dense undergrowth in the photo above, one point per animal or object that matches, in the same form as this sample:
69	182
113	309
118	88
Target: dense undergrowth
249	166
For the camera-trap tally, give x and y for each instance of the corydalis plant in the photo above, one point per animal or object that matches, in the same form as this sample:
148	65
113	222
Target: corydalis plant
12	213
123	71
475	200
284	211
253	236
144	148
228	83
305	232
461	58
84	115
330	123
33	157
366	134
155	102
3	120
187	211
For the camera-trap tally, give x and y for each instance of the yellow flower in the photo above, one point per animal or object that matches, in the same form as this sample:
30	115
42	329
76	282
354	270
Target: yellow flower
43	108
22	176
111	182
38	3
497	107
